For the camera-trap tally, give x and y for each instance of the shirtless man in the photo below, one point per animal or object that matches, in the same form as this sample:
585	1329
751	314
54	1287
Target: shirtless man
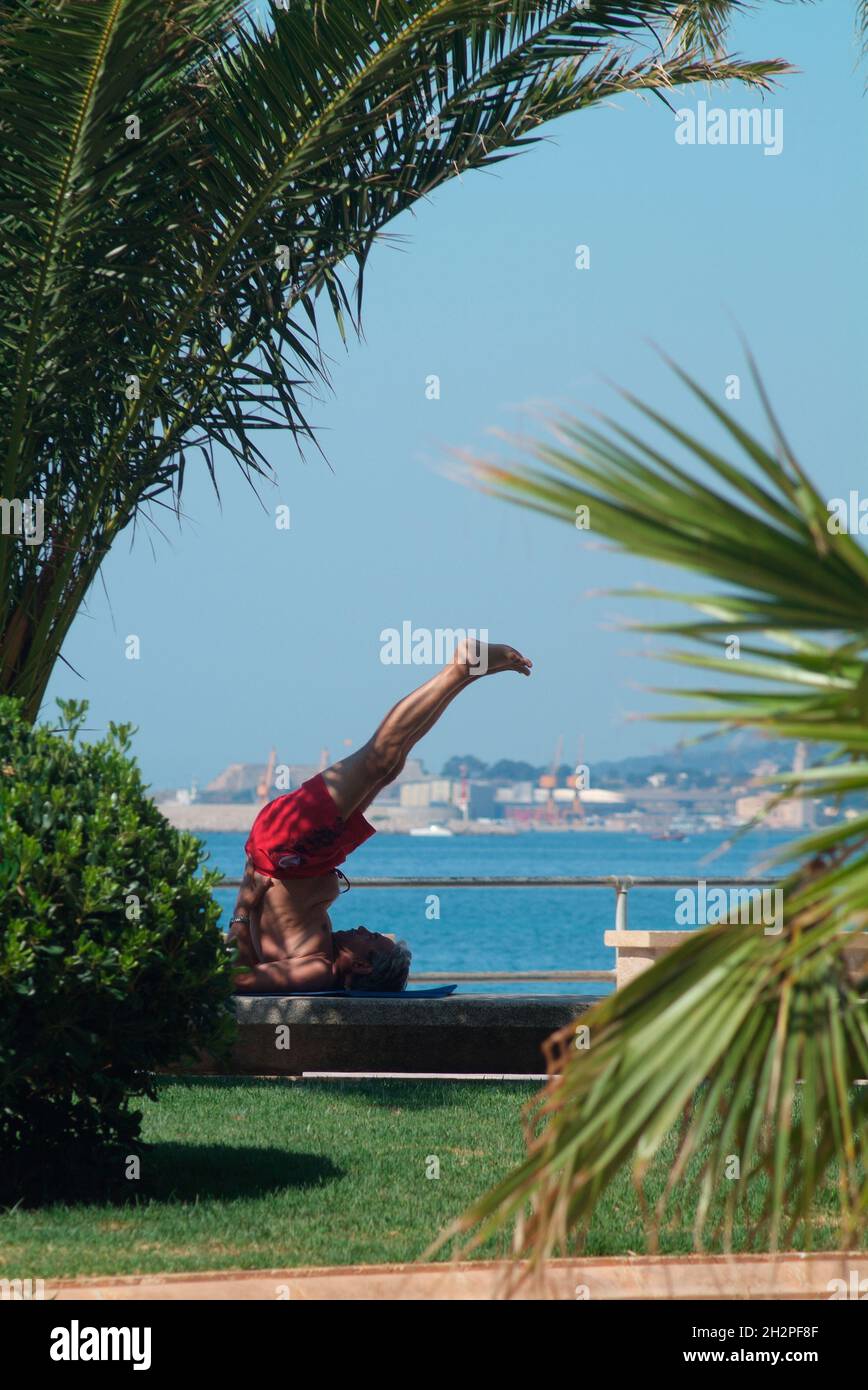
280	924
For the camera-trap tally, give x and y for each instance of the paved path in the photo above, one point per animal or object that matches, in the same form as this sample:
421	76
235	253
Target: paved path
796	1276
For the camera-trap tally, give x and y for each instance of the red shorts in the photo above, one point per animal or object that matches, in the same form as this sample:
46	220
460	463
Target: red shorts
301	835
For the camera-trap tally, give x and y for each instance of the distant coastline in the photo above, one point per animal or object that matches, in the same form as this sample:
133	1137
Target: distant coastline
203	817
208	818
682	792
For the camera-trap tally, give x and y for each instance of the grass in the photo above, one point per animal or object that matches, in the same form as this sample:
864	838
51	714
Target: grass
270	1174
279	1173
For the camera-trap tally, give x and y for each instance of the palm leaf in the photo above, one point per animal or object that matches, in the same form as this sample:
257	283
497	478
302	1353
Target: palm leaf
723	1035
162	293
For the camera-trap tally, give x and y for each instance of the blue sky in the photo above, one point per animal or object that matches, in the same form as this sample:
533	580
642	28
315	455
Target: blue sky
252	636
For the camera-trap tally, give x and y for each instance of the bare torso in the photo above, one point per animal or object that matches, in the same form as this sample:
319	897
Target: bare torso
288	935
294	919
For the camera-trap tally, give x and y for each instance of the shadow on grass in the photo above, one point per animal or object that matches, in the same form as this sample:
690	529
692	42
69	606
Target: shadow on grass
197	1172
183	1173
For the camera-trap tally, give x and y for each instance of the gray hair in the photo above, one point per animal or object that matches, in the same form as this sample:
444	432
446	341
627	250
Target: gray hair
388	973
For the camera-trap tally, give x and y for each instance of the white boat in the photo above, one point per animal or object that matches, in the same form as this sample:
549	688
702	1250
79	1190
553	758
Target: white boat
431	830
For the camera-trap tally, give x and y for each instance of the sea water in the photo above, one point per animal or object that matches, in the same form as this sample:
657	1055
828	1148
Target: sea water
517	928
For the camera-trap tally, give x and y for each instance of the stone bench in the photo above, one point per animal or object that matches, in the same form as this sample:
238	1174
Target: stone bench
464	1033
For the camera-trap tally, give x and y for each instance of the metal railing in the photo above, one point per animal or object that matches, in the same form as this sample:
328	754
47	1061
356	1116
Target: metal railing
621	884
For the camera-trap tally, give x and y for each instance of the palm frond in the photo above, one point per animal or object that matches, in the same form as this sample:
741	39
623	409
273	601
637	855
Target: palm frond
183	187
703	25
750	1042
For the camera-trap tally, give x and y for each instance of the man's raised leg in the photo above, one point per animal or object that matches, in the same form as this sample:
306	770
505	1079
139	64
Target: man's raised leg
355	781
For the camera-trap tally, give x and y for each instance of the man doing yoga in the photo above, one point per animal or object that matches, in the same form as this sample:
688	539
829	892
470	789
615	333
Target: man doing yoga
280	925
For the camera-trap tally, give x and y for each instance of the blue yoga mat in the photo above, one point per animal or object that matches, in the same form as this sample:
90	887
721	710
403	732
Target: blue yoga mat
435	992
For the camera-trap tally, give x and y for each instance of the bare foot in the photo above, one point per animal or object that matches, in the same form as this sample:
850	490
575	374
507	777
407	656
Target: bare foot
484	659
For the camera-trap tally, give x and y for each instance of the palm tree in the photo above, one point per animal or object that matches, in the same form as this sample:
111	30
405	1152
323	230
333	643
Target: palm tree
720	1037
180	183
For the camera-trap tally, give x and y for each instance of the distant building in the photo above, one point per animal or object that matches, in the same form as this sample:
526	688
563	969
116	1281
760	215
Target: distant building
413	771
515	793
623	823
599	796
236	783
522	814
239	781
787	815
482	804
432	791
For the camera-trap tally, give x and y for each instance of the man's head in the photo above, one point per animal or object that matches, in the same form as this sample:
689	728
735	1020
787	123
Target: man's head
371	961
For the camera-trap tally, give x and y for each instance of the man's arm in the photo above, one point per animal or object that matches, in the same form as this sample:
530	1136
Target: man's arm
297	975
244	924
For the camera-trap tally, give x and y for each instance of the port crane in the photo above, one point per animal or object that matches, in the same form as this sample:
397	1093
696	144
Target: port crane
550	780
263	787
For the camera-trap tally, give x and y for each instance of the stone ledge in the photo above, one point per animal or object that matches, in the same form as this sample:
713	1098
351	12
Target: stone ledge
455	1010
636	951
468	1033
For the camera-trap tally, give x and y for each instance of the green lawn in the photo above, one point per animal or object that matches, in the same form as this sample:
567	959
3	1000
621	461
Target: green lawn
275	1173
263	1174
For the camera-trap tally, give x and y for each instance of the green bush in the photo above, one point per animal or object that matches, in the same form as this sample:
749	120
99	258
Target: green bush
111	961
